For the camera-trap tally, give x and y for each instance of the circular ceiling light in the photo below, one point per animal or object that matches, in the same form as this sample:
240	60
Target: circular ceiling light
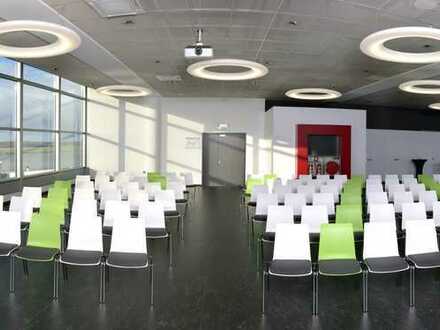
66	39
313	94
413	86
253	70
124	90
373	45
435	106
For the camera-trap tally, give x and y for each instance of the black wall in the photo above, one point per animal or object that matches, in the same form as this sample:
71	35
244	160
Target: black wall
379	117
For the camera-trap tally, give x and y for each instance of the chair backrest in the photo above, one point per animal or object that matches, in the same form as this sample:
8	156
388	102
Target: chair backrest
121	179
373	187
23	205
407	182
393	188
188	178
428	197
153	214
374	177
421	237
376	198
305	178
10	227
109	195
136	198
107	186
380	240
281	190
276	215
129	236
85	234
415	189
167	198
336	242
84	185
340	177
116	210
33	193
292	242
84	193
84	208
412	211
333	189
436	213
350	213
295	201
151	188
100	180
141	180
401	197
178	188
314	216
258	189
82	178
44	232
263	201
307	191
129	186
382	213
391	177
406	177
326	199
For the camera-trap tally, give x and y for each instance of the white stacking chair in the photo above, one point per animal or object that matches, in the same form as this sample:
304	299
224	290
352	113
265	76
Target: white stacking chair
128	187
82	178
332	189
83	194
109	195
256	190
291	257
307	191
85	185
171	176
436	213
188	178
382	213
436	177
428	198
376	198
314	216
391	182
141	180
33	193
263	202
294	184
281	191
393	189
421	248
85	247
168	200
179	190
326	199
304	178
107	186
373	187
391	177
137	198
408	182
10	240
296	202
121	178
128	248
374	177
153	215
407	177
413	211
340	178
276	215
151	188
416	189
22	205
323	177
401	197
100	180
83	209
115	210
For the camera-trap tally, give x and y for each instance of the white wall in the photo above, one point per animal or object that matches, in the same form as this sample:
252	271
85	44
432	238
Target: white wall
285	121
391	151
185	119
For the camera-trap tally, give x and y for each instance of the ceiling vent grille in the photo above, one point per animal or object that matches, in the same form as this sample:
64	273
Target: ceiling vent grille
116	8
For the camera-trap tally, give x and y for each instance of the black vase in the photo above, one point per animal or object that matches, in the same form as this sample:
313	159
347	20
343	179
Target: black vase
419	163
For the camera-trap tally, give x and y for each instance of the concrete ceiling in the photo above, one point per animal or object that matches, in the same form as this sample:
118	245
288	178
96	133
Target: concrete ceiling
321	50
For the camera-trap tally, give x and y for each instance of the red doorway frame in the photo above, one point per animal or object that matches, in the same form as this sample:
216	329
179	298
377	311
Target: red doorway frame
303	132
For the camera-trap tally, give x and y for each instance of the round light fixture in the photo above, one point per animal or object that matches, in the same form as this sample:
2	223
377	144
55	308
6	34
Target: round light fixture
67	40
412	86
124	90
253	70
313	94
373	45
434	106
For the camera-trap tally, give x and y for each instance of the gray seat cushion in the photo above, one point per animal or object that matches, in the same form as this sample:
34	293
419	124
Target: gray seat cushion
386	264
172	213
269	236
426	260
260	217
33	253
290	268
83	258
181	201
127	260
339	267
156	232
6	248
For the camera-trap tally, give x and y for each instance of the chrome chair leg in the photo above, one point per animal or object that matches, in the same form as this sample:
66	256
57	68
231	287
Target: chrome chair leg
12	273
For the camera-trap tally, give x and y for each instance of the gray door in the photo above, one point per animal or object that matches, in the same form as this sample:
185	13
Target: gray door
224	159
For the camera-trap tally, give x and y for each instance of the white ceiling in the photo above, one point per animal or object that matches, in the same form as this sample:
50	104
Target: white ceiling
321	50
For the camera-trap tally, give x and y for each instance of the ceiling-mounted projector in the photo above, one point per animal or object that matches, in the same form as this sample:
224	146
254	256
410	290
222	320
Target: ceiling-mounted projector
199	49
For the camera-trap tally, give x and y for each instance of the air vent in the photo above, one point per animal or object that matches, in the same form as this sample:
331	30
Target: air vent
169	78
116	8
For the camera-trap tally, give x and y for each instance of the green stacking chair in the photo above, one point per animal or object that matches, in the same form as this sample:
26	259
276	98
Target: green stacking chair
159	178
349	198
350	213
43	245
152	174
268	177
64	184
250	183
337	256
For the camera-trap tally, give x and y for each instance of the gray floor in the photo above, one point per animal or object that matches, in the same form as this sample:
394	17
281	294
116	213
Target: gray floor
213	285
